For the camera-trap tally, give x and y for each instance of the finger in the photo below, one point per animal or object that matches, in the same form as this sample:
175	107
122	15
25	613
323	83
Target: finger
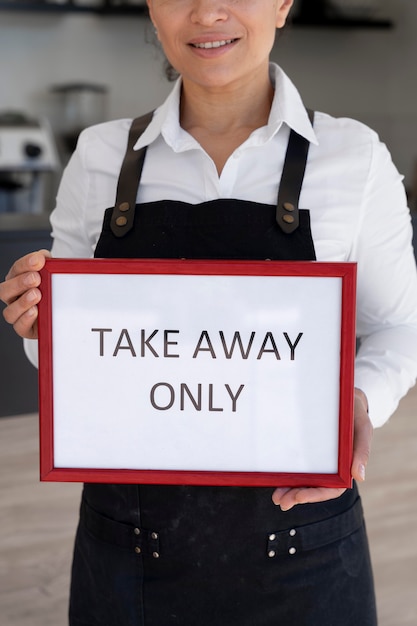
19	305
23	276
14	288
27	325
32	262
307	495
23	313
279	493
363	432
361	448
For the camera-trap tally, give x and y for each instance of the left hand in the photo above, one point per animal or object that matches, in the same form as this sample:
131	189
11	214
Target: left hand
363	431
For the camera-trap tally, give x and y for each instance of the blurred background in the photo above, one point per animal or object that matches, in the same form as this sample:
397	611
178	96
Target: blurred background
67	64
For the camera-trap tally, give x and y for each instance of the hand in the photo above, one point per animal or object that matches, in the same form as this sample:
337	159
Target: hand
20	293
363	431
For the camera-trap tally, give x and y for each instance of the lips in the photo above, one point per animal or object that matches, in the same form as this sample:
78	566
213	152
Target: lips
207	45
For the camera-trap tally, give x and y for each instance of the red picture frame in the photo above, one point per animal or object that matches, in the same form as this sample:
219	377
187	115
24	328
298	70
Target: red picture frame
169	270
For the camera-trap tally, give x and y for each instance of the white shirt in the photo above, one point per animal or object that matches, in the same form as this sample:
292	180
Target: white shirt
354	194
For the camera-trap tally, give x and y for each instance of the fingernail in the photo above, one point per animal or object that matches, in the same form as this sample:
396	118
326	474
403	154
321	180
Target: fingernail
362	471
29	280
31	295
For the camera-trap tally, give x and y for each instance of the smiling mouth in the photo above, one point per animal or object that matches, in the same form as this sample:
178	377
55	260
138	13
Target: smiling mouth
213	44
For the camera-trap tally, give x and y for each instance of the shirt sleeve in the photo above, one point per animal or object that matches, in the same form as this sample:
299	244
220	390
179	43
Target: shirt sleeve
69	228
386	364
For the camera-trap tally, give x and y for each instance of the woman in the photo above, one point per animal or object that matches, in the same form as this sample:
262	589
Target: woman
216	151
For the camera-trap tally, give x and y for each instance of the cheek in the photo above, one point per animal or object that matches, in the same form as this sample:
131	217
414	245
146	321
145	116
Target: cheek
170	45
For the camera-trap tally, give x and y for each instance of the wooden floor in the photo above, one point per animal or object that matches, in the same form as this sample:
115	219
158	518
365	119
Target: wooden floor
38	521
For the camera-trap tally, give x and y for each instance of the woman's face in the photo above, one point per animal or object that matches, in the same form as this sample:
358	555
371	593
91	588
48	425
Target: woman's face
216	43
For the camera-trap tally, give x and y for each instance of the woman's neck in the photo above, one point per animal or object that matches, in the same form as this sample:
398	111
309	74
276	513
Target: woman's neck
221	120
221	111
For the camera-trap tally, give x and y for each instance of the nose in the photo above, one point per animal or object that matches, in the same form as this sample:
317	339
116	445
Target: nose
208	12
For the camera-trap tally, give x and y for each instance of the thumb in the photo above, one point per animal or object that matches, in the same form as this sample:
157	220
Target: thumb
363	432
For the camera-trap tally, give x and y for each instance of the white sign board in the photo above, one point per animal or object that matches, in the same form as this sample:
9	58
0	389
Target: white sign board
172	374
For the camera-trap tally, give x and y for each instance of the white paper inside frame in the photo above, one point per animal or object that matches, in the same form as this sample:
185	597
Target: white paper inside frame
143	380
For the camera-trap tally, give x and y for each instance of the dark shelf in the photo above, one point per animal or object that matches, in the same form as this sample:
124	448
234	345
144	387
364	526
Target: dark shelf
342	23
50	7
327	14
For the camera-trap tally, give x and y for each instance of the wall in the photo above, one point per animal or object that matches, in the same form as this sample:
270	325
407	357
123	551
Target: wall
362	73
367	74
38	50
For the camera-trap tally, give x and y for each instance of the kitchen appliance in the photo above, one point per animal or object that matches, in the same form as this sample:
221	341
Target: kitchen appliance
29	164
78	105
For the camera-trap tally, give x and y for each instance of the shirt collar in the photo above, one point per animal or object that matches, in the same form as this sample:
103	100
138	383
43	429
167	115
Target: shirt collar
287	108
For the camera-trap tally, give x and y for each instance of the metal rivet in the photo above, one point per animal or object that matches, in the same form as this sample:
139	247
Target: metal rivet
137	531
124	206
288	206
293	532
271	554
121	221
292	550
272	537
154	535
138	550
155	555
288	218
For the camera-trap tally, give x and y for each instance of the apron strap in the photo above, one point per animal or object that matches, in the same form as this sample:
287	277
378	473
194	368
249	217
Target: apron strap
130	173
287	214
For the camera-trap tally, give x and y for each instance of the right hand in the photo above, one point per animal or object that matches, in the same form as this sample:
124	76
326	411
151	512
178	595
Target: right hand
21	294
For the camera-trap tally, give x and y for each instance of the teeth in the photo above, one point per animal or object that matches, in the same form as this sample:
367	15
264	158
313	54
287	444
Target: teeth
213	44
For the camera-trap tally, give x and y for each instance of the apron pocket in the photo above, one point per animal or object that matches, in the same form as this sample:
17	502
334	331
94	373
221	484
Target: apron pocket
327	564
317	535
107	573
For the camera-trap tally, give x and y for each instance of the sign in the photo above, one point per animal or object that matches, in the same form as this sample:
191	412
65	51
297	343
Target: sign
197	372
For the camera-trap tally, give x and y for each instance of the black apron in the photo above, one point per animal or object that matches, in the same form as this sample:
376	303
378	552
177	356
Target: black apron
155	555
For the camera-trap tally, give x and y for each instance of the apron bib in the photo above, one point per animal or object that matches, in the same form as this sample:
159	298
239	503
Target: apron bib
156	555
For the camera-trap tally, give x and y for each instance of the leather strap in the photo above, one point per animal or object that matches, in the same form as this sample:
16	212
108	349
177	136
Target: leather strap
127	187
287	214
